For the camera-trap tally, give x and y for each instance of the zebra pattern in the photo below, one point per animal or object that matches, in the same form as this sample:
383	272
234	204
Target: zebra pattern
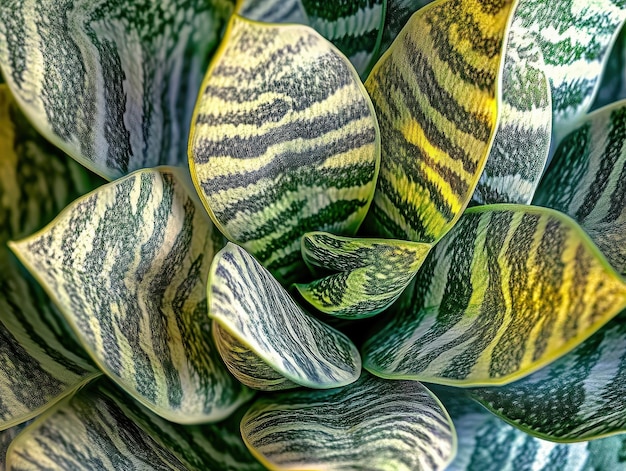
434	94
589	170
510	289
370	425
260	317
284	11
110	82
368	274
127	265
284	141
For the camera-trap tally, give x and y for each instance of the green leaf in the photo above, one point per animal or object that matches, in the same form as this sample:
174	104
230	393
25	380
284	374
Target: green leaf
127	265
508	290
284	141
612	87
397	15
371	424
110	82
6	437
369	274
587	180
434	93
265	338
267	11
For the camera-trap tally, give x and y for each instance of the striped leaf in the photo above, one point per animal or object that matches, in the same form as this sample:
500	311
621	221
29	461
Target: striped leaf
6	437
486	443
371	424
587	387
284	141
110	82
265	338
397	15
434	93
267	11
508	290
127	265
587	180
368	274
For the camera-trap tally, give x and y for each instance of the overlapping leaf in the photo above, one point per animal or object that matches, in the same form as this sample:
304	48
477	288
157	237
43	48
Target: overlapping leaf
397	14
6	437
110	82
508	290
369	274
127	265
284	141
434	93
267	11
612	88
266	340
371	424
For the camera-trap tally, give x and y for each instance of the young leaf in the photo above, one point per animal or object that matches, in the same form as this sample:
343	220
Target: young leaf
110	82
284	141
510	289
127	265
371	424
434	93
369	275
265	337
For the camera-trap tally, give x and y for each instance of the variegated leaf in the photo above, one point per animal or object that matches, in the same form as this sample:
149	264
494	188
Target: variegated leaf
372	424
434	93
612	88
397	14
508	290
278	11
128	265
6	437
111	82
587	180
587	387
369	274
284	141
265	338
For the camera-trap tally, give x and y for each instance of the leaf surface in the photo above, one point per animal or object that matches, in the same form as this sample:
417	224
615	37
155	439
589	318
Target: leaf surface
6	437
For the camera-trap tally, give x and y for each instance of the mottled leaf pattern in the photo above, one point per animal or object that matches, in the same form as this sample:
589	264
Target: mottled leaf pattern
369	274
128	265
284	141
111	82
371	424
508	290
434	93
256	317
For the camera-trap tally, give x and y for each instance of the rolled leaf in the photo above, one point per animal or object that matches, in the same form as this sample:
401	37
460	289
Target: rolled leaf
613	85
510	289
587	180
434	93
267	341
369	274
127	265
110	82
284	141
371	424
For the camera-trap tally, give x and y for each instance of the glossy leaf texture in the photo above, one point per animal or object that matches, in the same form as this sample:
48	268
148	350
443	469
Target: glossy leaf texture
266	340
284	141
371	424
127	265
510	289
368	275
434	93
589	170
111	82
487	443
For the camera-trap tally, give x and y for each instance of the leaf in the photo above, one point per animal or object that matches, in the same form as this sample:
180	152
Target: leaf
434	93
508	290
283	11
369	274
587	180
6	437
371	424
398	13
613	83
110	82
284	141
265	338
127	265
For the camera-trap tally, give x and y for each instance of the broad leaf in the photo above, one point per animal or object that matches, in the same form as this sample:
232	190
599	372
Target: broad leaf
127	265
369	274
284	141
278	11
587	180
265	338
397	15
371	424
110	82
6	437
508	290
434	93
